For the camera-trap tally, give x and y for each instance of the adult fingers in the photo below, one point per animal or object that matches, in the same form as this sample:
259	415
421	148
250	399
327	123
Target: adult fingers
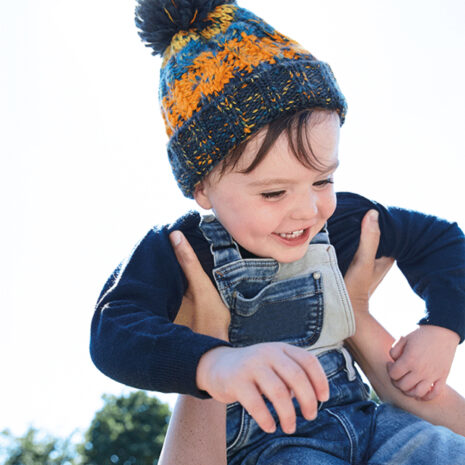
202	308
196	276
382	266
369	239
359	276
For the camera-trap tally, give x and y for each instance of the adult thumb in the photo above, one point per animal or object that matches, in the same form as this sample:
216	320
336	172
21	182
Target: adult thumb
369	239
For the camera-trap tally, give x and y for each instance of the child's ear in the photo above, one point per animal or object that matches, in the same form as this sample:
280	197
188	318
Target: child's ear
201	195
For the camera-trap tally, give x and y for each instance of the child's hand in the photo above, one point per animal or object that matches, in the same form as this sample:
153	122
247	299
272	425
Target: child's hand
277	370
422	361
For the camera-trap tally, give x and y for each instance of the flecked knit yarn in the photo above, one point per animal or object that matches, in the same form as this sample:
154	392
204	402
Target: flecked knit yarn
226	74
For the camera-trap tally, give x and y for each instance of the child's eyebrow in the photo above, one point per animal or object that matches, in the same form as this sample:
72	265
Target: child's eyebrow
268	182
331	168
271	181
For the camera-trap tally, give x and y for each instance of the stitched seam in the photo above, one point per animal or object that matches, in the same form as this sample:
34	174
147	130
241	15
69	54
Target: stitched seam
271	299
348	431
343	296
241	428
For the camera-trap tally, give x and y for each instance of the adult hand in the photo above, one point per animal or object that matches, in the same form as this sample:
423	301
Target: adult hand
202	309
365	271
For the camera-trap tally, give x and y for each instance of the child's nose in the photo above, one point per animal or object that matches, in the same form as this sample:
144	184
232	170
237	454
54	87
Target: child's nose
305	207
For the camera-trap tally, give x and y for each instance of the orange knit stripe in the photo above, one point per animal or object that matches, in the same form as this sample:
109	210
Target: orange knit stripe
209	72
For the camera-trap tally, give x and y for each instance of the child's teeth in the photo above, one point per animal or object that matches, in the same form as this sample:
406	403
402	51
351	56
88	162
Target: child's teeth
292	234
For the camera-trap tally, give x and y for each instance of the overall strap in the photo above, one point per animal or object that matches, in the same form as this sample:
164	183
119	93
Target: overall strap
222	245
322	237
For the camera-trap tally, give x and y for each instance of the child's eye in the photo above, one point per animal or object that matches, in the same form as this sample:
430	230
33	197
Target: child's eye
323	182
272	195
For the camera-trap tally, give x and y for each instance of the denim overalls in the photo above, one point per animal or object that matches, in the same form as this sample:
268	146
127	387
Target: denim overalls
305	303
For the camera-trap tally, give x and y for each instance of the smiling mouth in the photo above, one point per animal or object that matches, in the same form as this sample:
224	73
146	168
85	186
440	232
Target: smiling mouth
292	235
294	238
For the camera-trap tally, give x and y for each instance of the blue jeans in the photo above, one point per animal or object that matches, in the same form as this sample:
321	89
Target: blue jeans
349	429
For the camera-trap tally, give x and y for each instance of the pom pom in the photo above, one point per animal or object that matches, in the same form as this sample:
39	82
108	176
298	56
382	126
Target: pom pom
159	20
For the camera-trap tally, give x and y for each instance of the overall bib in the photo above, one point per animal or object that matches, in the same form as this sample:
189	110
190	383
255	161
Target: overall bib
305	303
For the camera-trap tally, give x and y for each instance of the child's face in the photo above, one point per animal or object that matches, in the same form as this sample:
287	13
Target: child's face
275	210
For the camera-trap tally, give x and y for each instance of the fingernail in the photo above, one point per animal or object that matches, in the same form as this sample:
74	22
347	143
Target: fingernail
373	216
270	430
176	238
290	429
311	417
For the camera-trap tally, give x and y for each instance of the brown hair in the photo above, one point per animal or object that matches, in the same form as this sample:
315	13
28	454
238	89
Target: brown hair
295	126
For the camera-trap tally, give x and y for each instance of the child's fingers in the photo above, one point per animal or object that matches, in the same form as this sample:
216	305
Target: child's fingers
299	384
398	369
397	349
274	388
435	390
253	402
420	390
313	370
407	383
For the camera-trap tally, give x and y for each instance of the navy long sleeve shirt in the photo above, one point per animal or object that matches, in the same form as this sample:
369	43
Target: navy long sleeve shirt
135	342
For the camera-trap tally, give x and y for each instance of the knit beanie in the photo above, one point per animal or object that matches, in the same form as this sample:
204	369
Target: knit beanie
225	74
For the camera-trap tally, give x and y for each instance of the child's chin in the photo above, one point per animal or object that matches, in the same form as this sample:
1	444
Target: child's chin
290	257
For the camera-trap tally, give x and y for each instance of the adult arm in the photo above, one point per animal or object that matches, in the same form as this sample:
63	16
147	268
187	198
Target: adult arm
371	343
196	433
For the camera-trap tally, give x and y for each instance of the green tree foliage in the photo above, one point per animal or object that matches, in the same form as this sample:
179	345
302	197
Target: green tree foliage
128	430
34	449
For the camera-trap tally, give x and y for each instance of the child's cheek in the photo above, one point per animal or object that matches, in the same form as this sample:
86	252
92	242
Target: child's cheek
330	203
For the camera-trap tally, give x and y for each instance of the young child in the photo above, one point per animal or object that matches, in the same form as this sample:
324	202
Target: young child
253	121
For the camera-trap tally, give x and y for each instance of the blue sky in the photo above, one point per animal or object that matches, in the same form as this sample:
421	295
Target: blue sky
84	172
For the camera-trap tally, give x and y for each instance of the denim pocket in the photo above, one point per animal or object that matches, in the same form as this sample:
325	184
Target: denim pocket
289	311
